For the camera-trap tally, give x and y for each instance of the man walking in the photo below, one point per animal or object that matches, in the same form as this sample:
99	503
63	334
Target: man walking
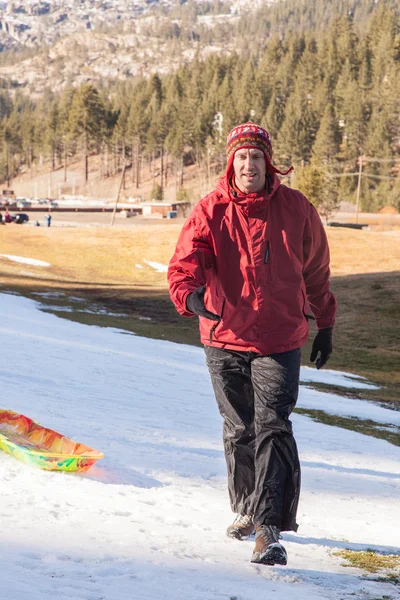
251	261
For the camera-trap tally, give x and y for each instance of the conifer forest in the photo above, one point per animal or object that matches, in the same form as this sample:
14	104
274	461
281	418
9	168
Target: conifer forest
322	77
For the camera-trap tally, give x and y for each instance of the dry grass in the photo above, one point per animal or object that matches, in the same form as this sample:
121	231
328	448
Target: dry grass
359	252
89	256
101	265
109	255
373	562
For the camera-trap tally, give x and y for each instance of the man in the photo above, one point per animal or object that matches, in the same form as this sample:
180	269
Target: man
251	261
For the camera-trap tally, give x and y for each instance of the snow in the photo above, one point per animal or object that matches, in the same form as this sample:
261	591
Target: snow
160	268
26	261
347	407
148	520
335	378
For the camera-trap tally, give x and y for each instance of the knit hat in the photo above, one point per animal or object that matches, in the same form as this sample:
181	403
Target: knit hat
251	135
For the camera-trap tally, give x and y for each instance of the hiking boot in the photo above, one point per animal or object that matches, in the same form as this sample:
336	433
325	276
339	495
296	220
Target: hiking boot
268	550
241	527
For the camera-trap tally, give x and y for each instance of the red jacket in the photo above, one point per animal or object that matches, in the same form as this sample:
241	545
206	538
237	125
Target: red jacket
265	261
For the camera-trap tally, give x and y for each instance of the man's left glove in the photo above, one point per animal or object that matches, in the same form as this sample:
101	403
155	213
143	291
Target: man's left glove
195	304
322	347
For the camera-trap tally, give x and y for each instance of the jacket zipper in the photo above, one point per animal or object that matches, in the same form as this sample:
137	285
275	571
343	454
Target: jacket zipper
266	256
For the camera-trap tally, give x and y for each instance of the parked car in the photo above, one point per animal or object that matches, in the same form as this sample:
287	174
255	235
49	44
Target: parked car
53	204
19	218
23	204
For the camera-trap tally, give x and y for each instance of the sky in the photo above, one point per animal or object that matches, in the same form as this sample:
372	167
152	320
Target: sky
149	520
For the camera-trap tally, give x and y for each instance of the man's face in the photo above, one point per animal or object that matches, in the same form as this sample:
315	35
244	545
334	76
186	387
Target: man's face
250	168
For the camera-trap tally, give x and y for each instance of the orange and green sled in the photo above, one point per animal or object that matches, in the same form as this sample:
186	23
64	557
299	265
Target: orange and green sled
36	445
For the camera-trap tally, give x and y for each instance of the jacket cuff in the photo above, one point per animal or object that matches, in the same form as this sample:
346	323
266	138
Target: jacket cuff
325	323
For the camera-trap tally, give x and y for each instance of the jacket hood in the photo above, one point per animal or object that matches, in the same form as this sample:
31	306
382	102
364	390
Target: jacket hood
224	187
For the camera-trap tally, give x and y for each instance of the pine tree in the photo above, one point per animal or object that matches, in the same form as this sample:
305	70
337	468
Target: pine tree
53	133
326	146
87	120
320	189
298	130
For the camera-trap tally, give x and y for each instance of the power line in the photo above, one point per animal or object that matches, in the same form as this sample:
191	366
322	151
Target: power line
332	175
381	160
378	176
342	174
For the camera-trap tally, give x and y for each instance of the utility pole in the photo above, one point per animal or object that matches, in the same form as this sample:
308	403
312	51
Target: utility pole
119	191
358	186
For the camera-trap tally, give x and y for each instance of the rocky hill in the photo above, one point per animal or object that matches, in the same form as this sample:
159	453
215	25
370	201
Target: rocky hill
57	43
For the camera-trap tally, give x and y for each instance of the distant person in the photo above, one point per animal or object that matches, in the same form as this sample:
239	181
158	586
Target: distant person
1	218
7	217
37	224
48	220
251	261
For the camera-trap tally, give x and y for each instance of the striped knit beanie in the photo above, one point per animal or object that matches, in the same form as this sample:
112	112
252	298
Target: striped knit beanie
251	135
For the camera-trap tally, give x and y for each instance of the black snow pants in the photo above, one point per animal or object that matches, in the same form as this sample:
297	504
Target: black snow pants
256	395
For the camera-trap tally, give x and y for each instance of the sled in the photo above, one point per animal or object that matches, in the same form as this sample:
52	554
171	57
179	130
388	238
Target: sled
45	448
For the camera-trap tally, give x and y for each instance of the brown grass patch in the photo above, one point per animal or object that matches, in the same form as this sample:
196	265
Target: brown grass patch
373	562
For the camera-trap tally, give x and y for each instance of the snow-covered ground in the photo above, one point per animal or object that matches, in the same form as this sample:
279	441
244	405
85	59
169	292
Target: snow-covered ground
25	261
148	521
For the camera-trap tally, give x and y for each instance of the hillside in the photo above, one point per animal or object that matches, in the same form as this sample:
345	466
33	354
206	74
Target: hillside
42	182
329	102
56	44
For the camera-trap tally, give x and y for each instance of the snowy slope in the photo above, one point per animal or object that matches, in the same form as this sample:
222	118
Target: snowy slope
148	521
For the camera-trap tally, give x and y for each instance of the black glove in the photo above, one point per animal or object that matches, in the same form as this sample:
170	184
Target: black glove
322	344
195	304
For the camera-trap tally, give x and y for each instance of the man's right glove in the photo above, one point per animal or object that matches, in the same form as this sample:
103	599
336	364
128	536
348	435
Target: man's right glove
195	304
322	346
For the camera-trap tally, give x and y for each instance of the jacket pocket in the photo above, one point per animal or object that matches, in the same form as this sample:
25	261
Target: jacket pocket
306	314
214	327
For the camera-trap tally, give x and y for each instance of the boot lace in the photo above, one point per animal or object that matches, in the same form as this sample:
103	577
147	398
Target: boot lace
243	520
269	533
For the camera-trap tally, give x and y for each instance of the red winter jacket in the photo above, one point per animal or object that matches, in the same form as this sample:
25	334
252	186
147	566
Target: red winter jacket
265	261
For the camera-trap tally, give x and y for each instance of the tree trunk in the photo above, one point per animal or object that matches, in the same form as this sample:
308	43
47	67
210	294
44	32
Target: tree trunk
86	159
30	155
101	161
65	161
138	164
134	159
86	168
181	181
8	167
115	158
124	164
176	176
162	169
